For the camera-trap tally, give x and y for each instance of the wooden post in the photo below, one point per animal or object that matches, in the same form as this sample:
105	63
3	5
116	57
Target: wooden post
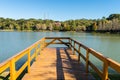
87	60
39	49
79	53
35	52
70	43
105	71
12	69
41	44
29	61
44	43
74	48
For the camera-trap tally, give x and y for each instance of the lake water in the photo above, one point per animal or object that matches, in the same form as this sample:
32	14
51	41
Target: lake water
13	42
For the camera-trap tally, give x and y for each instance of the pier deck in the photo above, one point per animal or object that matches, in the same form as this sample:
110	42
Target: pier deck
57	64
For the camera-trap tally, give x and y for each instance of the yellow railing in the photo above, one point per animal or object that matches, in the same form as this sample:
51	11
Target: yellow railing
10	63
44	42
107	62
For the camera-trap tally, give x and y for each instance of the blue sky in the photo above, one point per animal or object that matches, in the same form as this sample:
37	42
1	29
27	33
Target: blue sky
58	9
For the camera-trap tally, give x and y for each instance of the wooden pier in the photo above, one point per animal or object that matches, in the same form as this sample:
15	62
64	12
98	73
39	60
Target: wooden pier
58	63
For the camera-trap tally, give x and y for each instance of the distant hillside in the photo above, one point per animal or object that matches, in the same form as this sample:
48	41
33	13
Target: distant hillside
109	24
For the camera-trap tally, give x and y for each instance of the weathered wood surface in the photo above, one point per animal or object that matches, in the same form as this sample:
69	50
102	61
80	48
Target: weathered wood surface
57	64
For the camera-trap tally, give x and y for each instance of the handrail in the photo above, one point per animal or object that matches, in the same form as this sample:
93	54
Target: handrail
10	63
107	62
44	42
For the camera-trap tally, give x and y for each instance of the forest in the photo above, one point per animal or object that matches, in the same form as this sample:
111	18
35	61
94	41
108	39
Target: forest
109	24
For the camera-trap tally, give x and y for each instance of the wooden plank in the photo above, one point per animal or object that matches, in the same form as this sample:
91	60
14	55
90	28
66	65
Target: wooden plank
97	55
29	61
12	69
105	71
65	43
113	64
57	64
59	43
74	48
44	68
21	54
87	61
79	53
4	66
32	57
51	42
83	46
57	38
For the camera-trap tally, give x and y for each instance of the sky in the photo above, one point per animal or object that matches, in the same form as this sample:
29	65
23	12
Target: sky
58	9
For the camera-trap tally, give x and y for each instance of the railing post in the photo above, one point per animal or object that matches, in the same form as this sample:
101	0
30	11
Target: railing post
74	48
70	43
79	53
44	44
87	60
41	45
28	60
35	52
39	49
12	69
105	70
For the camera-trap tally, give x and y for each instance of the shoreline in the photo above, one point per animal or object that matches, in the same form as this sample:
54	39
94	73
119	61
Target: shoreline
102	32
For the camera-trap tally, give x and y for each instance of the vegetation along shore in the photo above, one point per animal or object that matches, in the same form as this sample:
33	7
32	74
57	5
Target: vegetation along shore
109	24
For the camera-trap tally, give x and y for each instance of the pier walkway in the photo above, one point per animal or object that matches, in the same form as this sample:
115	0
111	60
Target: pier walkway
57	64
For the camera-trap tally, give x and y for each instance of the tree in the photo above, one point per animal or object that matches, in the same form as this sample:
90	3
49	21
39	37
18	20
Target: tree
95	26
38	27
112	23
114	16
50	26
44	27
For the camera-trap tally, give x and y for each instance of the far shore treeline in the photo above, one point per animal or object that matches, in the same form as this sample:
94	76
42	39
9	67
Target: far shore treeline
109	24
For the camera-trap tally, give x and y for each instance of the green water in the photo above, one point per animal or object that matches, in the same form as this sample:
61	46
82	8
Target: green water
13	42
